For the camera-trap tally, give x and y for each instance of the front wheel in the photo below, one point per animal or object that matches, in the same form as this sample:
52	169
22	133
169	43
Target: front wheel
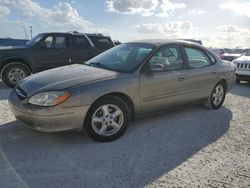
217	96
13	72
107	119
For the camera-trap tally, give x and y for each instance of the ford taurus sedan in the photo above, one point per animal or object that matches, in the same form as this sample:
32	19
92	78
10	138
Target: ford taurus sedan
133	79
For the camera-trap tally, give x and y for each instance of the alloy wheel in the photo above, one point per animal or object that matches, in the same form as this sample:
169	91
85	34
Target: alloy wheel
107	120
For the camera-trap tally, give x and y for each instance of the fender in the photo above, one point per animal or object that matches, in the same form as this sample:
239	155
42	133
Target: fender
15	56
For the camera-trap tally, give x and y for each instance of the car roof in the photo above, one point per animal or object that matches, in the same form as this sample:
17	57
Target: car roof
75	33
160	42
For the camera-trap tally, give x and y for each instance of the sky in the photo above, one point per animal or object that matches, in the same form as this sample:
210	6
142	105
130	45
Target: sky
218	23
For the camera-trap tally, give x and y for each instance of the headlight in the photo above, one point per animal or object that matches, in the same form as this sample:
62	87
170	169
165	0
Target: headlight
51	98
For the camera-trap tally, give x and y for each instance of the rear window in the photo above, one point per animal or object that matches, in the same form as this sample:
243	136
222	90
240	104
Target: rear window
102	43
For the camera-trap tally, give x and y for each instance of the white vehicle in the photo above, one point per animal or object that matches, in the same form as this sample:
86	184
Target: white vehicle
243	67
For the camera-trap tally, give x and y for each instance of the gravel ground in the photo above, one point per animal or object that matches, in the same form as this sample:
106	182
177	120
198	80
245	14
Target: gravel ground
191	147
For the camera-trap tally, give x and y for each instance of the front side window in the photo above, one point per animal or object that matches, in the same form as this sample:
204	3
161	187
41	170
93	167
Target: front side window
122	58
196	58
55	42
169	58
48	41
35	40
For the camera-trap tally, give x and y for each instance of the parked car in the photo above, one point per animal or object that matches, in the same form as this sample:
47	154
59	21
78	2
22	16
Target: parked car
129	80
50	50
230	57
243	66
232	54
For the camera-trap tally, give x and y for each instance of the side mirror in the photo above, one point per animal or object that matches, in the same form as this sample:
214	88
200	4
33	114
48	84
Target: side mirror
156	68
43	44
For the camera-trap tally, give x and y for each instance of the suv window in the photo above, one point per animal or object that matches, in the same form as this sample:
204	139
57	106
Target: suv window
55	42
48	41
60	42
80	42
102	43
170	57
196	58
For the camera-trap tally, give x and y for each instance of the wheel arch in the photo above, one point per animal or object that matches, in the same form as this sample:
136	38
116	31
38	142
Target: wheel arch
11	60
123	97
224	81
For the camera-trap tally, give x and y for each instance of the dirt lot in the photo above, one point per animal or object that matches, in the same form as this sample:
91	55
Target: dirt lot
191	147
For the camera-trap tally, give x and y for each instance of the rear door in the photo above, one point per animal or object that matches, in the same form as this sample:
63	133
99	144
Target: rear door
51	52
202	73
167	86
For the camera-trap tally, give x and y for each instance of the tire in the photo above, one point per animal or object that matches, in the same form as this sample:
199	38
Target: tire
237	81
13	72
217	96
107	119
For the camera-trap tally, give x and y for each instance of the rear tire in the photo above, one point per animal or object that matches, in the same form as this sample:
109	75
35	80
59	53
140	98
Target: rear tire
107	119
216	97
13	72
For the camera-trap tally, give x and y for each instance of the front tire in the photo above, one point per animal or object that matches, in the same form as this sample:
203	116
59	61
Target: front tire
13	72
107	119
217	96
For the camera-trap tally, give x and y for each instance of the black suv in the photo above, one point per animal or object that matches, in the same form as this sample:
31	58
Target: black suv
50	50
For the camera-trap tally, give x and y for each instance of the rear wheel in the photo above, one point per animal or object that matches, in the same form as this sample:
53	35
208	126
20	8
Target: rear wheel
13	72
107	119
217	96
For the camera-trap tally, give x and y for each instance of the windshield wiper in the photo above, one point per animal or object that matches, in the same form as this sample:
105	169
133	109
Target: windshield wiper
100	65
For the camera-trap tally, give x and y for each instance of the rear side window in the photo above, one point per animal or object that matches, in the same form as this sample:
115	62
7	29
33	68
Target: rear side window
212	58
80	42
60	42
196	58
102	43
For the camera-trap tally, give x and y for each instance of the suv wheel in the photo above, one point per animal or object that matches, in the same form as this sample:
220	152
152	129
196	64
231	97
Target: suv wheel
13	72
217	96
107	119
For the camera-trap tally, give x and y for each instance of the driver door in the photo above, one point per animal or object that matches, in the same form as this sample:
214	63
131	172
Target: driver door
163	84
52	52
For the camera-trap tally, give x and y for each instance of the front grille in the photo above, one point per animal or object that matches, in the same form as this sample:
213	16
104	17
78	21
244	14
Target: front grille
243	65
21	94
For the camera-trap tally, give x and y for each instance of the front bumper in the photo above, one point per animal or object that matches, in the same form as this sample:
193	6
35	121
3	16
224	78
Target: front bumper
243	74
47	119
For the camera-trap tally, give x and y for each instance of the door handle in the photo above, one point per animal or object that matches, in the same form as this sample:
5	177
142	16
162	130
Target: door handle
181	77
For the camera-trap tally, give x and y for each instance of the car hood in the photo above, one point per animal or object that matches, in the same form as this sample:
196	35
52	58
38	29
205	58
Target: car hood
9	48
243	58
62	78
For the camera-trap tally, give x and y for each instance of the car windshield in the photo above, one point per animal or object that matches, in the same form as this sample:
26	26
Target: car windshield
34	40
122	58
